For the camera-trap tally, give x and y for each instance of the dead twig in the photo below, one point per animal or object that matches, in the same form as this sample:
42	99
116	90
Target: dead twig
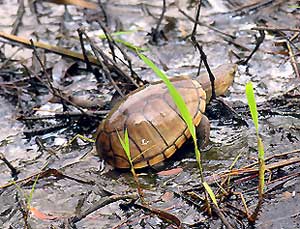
18	21
164	215
113	43
53	49
99	204
274	156
104	63
293	60
115	69
24	211
249	170
14	171
202	54
66	115
205	25
54	91
102	7
86	59
43	174
157	33
221	216
255	6
273	29
259	41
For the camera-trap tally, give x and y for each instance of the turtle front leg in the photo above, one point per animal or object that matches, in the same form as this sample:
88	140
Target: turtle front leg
203	131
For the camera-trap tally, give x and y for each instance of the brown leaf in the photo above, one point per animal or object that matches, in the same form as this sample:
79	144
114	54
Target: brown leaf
170	172
81	3
167	196
40	215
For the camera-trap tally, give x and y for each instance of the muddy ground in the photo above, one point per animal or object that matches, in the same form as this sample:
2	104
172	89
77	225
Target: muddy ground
228	33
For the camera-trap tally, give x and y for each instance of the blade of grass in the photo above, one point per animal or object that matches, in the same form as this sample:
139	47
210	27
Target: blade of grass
210	193
119	33
177	98
261	153
126	146
252	104
185	114
121	41
29	199
180	104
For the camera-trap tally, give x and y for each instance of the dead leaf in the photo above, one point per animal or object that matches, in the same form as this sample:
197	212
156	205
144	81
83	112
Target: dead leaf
40	215
81	3
170	172
167	196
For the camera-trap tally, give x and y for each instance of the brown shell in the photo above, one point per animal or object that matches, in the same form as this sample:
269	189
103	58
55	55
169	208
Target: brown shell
155	127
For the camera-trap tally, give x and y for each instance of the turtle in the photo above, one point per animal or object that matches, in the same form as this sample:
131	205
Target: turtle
155	127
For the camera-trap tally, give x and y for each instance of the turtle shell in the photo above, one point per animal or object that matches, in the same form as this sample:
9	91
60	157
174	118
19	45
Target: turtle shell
154	124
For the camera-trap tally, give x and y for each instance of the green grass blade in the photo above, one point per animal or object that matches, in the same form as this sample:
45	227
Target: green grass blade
210	193
177	98
29	199
121	41
252	104
119	33
294	6
261	153
20	190
130	45
126	140
125	145
185	114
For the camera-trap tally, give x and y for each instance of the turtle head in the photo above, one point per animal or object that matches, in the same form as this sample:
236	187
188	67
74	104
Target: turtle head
224	75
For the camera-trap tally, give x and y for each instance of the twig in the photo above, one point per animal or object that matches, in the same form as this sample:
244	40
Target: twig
202	54
115	67
205	25
280	155
273	29
281	33
156	33
14	171
43	174
68	114
109	41
246	170
139	81
18	21
101	203
259	41
42	148
102	7
212	80
254	6
24	210
161	16
50	87
104	64
221	216
271	186
86	59
293	60
45	130
54	49
35	53
161	214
